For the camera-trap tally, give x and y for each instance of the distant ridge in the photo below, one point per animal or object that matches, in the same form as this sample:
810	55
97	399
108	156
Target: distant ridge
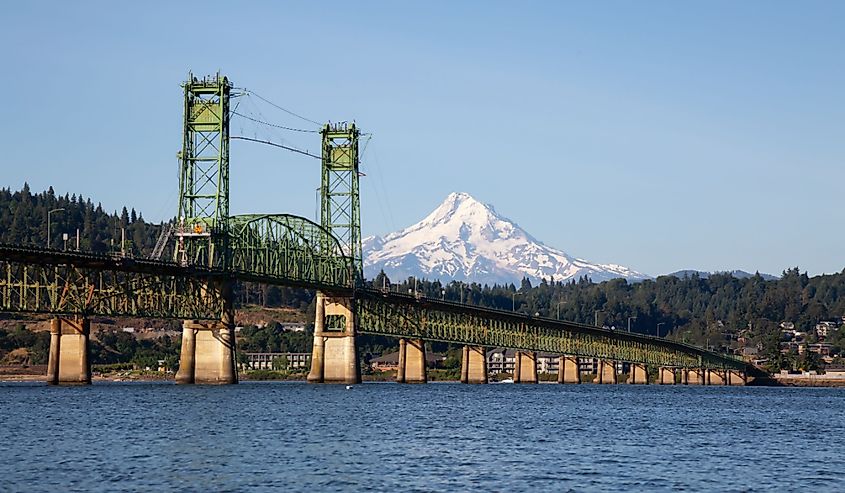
739	274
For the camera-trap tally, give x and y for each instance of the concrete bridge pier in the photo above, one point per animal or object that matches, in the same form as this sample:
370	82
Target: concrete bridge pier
68	362
412	364
525	367
208	348
568	371
695	376
607	372
716	377
666	376
208	353
334	357
474	365
736	377
639	374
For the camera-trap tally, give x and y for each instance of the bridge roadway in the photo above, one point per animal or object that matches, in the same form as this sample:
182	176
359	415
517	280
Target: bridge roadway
78	284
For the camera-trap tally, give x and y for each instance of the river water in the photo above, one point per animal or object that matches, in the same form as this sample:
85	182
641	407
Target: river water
273	436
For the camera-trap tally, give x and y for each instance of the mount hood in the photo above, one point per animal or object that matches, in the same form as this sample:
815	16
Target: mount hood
464	239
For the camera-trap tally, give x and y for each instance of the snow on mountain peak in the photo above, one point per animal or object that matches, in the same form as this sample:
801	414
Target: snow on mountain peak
465	239
459	205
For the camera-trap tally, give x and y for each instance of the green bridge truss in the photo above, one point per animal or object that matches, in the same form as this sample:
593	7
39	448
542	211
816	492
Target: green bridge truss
290	250
62	283
271	248
400	315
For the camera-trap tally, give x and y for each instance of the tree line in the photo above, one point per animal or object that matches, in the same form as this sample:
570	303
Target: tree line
722	312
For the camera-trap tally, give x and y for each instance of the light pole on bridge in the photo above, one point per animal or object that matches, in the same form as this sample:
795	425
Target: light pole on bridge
48	222
629	322
658	328
317	206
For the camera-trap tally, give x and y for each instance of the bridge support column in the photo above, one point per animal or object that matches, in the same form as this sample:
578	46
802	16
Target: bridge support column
474	365
716	377
695	376
736	377
525	367
567	370
412	364
68	362
666	376
208	353
607	372
639	374
334	357
208	348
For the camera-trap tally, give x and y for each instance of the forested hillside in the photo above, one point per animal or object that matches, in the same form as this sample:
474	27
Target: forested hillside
23	221
723	312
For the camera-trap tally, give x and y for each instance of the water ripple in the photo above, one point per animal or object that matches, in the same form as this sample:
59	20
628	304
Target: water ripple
267	436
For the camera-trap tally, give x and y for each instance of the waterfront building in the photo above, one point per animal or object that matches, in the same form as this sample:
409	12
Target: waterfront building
277	361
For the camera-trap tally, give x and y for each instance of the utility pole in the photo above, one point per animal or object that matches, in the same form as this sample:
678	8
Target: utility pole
629	322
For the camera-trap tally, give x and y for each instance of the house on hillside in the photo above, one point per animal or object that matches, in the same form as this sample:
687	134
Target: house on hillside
826	328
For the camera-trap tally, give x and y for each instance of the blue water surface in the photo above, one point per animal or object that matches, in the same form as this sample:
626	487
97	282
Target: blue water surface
274	436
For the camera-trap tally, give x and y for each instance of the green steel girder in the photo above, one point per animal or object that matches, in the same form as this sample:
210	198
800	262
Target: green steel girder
406	316
87	285
287	249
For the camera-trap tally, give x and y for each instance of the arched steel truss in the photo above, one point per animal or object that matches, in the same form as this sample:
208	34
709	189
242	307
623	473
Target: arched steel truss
283	248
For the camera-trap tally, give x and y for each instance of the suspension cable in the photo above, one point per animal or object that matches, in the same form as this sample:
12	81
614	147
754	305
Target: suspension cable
253	93
262	122
274	144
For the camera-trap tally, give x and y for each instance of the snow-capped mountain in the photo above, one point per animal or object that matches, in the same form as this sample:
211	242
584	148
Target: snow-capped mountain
464	239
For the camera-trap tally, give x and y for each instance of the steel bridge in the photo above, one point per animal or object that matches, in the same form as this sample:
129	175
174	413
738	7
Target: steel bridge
209	249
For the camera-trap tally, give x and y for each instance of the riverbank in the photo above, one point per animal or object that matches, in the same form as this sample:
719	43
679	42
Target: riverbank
36	373
809	380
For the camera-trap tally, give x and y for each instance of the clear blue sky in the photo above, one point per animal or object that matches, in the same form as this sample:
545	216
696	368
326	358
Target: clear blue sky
657	135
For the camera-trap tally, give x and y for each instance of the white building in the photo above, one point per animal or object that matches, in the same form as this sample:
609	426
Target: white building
824	329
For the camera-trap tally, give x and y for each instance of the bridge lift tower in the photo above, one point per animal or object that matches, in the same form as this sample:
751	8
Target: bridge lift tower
202	221
202	232
339	192
334	355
